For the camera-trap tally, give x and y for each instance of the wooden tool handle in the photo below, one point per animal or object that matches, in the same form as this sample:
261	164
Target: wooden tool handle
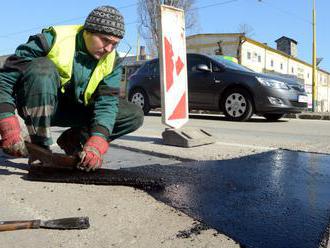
18	225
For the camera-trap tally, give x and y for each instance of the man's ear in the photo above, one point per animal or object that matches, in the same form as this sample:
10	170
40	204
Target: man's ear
86	36
85	33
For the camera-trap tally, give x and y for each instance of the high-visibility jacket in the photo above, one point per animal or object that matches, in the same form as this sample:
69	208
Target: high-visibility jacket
62	54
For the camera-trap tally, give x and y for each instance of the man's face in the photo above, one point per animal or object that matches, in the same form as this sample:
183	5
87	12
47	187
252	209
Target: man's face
99	45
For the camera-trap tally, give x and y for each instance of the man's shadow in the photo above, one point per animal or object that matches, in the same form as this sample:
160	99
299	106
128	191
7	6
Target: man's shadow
8	167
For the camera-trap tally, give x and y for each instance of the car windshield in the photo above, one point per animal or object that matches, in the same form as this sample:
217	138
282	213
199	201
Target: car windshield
229	64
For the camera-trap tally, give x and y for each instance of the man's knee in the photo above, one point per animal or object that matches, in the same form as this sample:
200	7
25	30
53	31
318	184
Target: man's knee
41	73
40	78
41	65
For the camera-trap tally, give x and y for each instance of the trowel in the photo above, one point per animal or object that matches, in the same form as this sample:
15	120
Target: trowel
61	224
51	159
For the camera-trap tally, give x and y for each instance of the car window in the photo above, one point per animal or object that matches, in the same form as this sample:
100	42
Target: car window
144	69
216	68
154	69
229	64
193	61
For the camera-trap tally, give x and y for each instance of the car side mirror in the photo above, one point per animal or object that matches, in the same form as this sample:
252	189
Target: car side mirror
203	68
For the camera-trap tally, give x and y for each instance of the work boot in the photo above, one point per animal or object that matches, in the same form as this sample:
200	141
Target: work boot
69	141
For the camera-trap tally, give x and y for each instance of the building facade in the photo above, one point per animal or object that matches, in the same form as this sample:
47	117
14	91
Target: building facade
264	59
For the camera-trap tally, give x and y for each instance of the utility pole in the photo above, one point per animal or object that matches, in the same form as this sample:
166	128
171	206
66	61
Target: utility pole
314	72
138	45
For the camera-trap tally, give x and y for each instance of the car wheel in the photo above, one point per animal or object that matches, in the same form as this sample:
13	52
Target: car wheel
140	98
237	105
273	117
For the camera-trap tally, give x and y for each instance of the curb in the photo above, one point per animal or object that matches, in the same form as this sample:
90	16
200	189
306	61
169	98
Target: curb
304	115
309	116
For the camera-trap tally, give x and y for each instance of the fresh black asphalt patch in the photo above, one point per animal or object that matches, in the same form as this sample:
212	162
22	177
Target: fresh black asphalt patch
273	199
98	177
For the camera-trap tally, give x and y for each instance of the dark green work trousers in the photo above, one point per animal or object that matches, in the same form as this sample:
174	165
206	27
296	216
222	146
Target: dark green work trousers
41	104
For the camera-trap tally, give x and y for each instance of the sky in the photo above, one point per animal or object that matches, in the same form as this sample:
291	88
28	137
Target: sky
268	20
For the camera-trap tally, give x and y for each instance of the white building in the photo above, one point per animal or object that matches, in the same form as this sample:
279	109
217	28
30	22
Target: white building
262	58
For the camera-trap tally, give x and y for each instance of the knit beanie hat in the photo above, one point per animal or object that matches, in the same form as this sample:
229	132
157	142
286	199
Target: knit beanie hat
105	20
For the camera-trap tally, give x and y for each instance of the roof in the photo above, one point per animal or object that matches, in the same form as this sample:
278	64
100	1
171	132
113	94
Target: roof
214	34
286	38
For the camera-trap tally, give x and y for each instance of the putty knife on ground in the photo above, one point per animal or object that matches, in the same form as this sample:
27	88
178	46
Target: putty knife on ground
61	224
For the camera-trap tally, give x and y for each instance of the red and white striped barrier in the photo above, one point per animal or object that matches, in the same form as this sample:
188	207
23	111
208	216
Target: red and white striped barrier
173	67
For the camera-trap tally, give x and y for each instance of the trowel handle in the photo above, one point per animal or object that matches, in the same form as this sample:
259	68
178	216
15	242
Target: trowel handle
18	225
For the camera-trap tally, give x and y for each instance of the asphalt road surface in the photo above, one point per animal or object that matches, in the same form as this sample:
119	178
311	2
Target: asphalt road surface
275	198
292	134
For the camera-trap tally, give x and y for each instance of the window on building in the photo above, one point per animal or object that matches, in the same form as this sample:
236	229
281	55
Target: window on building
281	65
248	55
259	59
292	70
272	63
307	75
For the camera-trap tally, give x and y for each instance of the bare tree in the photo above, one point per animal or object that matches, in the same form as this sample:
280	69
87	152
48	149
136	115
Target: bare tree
246	29
148	12
219	50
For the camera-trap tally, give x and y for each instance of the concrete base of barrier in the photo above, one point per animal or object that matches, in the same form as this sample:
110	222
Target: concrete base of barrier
187	137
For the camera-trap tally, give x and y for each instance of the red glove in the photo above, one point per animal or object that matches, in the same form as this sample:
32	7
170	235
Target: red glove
93	150
12	143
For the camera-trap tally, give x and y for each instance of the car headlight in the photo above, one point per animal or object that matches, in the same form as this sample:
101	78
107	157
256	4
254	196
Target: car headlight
273	83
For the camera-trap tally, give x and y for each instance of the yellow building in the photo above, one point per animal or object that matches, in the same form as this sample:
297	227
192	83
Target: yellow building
262	58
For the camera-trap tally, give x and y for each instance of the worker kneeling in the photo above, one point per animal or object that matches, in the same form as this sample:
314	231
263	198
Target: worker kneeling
68	76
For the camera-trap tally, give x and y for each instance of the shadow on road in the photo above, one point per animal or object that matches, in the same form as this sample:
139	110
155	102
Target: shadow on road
5	164
158	141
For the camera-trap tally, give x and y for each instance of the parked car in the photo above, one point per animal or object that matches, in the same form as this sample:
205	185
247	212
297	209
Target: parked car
217	84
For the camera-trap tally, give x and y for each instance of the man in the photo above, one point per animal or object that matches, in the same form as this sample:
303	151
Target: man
68	76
